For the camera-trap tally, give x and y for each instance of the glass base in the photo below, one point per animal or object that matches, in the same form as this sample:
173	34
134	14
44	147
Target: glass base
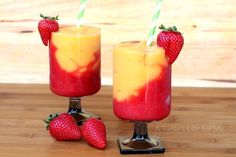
140	142
79	114
138	146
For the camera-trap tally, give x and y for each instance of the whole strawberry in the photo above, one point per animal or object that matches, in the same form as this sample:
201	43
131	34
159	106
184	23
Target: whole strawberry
46	26
171	40
63	127
94	132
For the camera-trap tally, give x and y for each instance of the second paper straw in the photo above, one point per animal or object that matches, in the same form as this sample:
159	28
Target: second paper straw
155	17
81	12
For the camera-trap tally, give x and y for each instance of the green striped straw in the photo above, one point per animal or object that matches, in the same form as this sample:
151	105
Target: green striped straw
81	12
154	23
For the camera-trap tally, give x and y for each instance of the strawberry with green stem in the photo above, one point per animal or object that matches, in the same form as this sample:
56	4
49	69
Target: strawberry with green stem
63	127
46	26
172	41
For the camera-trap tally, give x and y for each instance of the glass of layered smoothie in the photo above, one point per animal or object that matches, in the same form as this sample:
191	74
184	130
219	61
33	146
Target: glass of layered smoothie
75	65
141	92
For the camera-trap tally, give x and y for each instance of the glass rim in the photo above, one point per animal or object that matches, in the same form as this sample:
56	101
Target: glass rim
97	30
138	44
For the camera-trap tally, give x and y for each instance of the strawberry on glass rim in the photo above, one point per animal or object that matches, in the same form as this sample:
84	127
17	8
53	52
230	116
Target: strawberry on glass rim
172	41
46	26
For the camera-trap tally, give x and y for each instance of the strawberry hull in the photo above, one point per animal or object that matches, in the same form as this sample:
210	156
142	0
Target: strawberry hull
152	102
76	83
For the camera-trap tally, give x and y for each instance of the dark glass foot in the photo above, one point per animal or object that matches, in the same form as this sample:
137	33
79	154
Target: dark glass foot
140	143
79	114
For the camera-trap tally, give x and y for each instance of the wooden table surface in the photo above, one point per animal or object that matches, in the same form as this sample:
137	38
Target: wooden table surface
202	123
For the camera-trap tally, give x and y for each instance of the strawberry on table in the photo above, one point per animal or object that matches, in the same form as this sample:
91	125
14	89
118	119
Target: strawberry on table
171	40
63	127
94	132
46	26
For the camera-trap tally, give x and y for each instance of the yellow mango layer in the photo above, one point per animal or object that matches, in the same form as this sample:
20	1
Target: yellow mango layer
134	66
76	46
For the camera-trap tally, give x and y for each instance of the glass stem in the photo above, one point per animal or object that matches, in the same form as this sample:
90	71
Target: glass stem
140	131
74	105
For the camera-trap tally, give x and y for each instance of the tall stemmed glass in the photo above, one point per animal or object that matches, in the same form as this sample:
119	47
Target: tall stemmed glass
141	92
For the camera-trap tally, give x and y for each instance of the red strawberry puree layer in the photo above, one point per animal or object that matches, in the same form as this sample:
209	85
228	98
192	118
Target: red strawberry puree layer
153	101
74	84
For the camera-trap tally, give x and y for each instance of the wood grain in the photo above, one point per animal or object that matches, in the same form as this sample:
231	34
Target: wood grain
202	123
208	27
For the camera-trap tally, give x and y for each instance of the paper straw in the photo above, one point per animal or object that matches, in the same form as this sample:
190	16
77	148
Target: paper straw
154	23
81	12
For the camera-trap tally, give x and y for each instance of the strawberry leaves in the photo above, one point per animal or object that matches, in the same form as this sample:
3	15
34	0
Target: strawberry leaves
49	17
173	28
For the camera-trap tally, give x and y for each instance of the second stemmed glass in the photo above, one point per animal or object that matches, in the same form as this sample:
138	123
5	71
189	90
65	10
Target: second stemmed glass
141	92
